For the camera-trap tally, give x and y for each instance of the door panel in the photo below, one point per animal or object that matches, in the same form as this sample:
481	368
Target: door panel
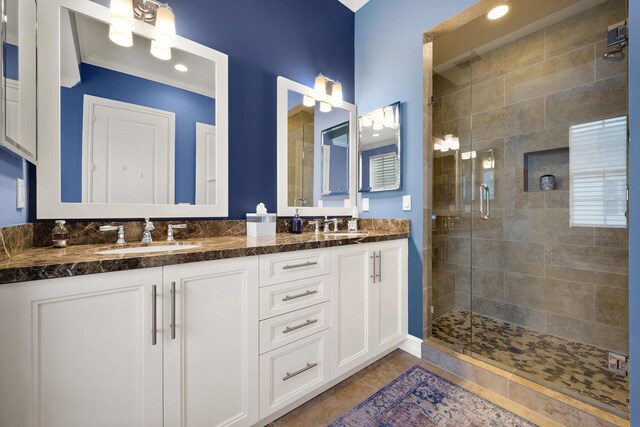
390	297
351	320
211	366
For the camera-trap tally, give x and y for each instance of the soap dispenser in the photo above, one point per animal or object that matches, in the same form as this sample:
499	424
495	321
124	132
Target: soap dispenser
296	223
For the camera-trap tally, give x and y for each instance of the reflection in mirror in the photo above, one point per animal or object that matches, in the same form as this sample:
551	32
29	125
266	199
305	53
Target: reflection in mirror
134	129
379	149
11	87
317	155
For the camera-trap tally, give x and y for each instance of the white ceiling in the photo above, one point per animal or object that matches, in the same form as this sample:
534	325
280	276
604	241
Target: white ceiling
95	48
354	4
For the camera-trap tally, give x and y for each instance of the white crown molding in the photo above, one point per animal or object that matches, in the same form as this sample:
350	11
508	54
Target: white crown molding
354	5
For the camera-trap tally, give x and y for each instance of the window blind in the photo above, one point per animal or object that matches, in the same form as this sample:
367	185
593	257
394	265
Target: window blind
598	173
384	171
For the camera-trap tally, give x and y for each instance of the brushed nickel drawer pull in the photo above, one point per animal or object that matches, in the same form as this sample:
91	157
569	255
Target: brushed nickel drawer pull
304	264
302	325
154	315
289	298
173	310
298	372
373	276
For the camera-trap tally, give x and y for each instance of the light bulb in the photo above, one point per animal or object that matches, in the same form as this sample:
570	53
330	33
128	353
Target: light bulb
389	117
336	95
181	67
438	147
120	37
375	135
165	31
498	12
325	107
308	101
320	88
160	51
121	15
455	144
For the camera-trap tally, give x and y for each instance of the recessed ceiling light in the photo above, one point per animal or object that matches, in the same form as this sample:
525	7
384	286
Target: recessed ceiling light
375	135
498	12
181	67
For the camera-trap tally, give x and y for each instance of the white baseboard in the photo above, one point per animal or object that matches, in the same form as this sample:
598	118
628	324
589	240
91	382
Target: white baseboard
412	345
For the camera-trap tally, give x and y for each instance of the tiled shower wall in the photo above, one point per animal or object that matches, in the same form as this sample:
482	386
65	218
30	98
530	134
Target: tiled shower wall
529	267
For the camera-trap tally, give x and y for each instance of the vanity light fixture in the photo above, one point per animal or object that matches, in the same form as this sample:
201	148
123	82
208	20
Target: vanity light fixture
327	92
121	21
181	67
450	142
498	11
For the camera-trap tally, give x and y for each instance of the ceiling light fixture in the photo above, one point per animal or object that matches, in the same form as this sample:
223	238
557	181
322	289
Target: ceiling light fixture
327	92
498	12
122	14
181	67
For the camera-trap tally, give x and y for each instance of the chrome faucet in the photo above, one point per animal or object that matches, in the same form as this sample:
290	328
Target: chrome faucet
170	229
327	224
317	224
148	228
119	229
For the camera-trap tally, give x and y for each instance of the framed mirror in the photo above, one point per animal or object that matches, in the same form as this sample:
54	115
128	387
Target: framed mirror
379	149
18	89
132	133
317	154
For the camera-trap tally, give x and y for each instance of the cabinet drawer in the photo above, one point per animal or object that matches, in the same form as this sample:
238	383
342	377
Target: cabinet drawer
292	371
290	327
278	268
290	296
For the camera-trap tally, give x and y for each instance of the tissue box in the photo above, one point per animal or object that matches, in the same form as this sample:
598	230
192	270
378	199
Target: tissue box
261	225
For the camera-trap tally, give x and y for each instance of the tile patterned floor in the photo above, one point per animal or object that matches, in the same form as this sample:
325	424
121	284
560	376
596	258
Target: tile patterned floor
330	405
566	365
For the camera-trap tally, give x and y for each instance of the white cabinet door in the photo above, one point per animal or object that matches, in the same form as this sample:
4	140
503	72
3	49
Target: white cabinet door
352	318
90	353
211	358
390	295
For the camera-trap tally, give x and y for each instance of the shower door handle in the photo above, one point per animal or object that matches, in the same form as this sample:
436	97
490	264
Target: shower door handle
484	197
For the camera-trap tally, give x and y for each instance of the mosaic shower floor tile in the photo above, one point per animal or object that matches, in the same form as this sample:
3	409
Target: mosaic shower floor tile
572	367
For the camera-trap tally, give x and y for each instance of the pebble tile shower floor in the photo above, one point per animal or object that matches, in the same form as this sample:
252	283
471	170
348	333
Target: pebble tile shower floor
575	367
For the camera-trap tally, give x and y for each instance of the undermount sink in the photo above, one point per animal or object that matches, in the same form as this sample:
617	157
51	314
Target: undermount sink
355	234
145	249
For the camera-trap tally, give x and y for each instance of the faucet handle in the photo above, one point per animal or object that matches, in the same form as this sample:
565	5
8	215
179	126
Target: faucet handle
170	229
118	228
148	225
317	224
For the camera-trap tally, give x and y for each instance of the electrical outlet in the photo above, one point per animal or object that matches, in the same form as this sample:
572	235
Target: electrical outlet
433	309
618	363
21	198
365	204
406	202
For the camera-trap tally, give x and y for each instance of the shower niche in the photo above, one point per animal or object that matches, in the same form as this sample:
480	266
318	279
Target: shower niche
547	162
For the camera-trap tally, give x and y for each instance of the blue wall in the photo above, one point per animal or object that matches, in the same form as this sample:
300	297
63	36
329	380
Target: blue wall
10	56
634	207
388	69
189	108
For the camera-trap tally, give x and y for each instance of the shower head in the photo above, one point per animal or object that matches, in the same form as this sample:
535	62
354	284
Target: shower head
615	55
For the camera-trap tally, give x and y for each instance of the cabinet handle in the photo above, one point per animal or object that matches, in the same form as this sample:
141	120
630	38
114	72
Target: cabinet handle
373	276
298	372
289	298
173	310
379	266
304	264
302	325
154	315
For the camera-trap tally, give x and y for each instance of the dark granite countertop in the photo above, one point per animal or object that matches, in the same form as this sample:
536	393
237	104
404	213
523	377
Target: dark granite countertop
47	263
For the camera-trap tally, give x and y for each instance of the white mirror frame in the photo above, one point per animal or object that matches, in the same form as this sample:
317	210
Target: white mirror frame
48	171
284	86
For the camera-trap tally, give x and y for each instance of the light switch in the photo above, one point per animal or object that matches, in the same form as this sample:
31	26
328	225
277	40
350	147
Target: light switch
406	203
21	198
365	204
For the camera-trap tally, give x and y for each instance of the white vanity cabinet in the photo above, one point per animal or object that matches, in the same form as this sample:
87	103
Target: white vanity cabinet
210	341
79	351
369	314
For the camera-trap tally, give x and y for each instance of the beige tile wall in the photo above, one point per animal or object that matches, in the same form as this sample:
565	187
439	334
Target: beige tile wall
528	266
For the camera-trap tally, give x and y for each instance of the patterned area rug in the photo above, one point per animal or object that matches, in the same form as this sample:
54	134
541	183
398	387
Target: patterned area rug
420	398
